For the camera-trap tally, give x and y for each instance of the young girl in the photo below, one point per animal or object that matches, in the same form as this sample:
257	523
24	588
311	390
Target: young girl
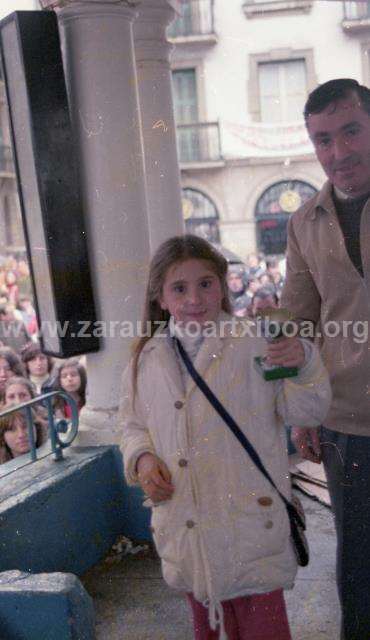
220	529
71	377
14	439
18	390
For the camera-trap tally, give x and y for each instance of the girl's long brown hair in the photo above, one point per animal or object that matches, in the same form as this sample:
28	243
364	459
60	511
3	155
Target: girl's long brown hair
6	423
174	250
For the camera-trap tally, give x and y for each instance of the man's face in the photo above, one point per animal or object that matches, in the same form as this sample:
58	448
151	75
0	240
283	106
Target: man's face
341	137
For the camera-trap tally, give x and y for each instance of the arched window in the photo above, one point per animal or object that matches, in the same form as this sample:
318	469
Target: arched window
272	213
200	215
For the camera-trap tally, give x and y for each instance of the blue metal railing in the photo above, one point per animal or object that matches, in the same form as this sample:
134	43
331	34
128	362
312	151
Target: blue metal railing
55	426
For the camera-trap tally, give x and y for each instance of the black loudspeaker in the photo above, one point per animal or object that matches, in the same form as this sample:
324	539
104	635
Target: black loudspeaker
48	183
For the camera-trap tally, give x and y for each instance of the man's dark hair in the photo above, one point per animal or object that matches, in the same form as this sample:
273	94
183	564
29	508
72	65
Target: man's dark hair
334	90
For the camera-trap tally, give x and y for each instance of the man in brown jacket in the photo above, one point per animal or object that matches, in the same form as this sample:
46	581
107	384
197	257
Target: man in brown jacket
328	287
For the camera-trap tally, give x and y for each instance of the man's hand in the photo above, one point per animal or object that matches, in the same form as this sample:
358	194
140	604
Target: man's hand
307	442
154	477
287	352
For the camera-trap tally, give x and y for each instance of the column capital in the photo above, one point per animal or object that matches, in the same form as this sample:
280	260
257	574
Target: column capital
153	18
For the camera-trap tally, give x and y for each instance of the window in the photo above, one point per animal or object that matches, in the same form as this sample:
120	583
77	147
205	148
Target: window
185	100
282	90
279	83
356	10
272	213
185	97
200	215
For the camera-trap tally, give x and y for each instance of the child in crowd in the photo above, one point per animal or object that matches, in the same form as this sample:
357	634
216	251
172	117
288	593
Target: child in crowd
264	298
12	287
71	377
222	532
38	367
28	315
10	365
14	437
18	390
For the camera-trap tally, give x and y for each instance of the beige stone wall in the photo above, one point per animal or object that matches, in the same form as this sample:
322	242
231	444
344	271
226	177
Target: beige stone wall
236	188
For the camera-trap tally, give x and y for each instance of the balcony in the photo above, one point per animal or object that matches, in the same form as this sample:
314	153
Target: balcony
199	145
6	160
260	8
356	16
195	24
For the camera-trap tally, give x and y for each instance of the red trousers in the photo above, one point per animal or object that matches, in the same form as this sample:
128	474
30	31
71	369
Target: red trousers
258	617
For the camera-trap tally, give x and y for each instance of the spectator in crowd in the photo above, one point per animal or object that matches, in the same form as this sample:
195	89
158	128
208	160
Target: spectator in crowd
236	282
14	436
266	280
255	266
18	390
264	298
253	286
10	365
39	367
28	314
13	333
71	377
12	287
24	280
273	270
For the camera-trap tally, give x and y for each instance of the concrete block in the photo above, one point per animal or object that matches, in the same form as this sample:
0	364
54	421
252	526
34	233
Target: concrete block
62	516
45	606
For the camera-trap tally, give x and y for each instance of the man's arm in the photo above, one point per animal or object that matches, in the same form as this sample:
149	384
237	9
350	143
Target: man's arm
301	297
300	294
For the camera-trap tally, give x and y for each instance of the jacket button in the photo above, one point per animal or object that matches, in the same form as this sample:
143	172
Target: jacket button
265	501
269	524
179	404
183	462
190	524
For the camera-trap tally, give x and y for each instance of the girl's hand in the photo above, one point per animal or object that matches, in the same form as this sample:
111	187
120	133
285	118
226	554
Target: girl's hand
287	352
154	477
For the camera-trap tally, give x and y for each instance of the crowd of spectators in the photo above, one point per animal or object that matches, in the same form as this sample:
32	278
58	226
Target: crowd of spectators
26	372
255	285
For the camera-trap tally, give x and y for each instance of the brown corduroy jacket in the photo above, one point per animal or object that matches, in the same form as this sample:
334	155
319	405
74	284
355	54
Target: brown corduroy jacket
322	285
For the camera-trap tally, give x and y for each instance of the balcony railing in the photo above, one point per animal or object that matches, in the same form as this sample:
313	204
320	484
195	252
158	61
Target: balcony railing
56	443
6	160
257	8
199	142
356	10
196	19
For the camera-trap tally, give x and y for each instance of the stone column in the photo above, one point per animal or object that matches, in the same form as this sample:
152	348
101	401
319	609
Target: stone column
98	55
152	52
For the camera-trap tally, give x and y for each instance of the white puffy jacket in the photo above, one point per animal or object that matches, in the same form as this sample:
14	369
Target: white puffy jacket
225	532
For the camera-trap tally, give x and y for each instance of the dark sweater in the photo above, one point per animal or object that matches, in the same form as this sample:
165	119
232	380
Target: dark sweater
349	213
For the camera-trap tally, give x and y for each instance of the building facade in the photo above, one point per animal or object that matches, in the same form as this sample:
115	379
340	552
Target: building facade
241	73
